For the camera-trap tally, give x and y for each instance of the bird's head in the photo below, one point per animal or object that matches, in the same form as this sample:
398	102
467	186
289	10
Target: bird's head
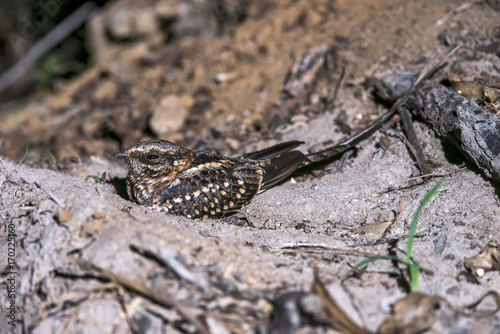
156	157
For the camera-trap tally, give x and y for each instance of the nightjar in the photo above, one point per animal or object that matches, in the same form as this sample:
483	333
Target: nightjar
176	180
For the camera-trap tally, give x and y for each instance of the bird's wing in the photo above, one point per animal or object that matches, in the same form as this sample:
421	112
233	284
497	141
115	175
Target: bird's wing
273	151
281	167
278	161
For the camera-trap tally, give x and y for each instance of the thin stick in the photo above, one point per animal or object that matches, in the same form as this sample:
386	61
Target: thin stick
416	148
51	195
120	292
20	162
331	103
425	176
324	248
37	51
463	7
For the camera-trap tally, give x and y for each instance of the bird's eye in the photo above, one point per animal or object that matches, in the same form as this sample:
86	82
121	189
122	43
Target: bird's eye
152	157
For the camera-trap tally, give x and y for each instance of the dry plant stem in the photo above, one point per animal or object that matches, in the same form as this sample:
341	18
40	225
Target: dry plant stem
20	162
51	195
413	140
435	174
422	177
130	321
37	51
145	292
338	318
459	9
331	103
320	248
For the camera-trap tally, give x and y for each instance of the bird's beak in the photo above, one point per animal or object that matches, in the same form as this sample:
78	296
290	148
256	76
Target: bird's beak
121	155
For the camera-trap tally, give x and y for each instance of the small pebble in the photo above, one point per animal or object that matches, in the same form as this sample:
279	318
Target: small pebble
440	244
99	215
64	216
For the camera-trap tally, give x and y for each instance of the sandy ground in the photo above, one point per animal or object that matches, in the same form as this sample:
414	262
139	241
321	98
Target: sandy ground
237	268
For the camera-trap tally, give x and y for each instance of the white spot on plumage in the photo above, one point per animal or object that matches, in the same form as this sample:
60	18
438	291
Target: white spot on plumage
173	184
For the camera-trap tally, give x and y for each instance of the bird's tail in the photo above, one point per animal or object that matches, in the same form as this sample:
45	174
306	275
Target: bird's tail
332	151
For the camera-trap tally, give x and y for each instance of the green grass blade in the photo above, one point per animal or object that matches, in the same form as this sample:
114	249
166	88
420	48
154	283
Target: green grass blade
414	270
413	225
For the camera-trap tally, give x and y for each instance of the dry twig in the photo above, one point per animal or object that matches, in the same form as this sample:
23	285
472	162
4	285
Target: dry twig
37	51
51	195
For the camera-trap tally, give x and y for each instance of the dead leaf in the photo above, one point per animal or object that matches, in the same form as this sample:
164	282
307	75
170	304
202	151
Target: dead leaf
482	89
377	230
413	314
487	260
